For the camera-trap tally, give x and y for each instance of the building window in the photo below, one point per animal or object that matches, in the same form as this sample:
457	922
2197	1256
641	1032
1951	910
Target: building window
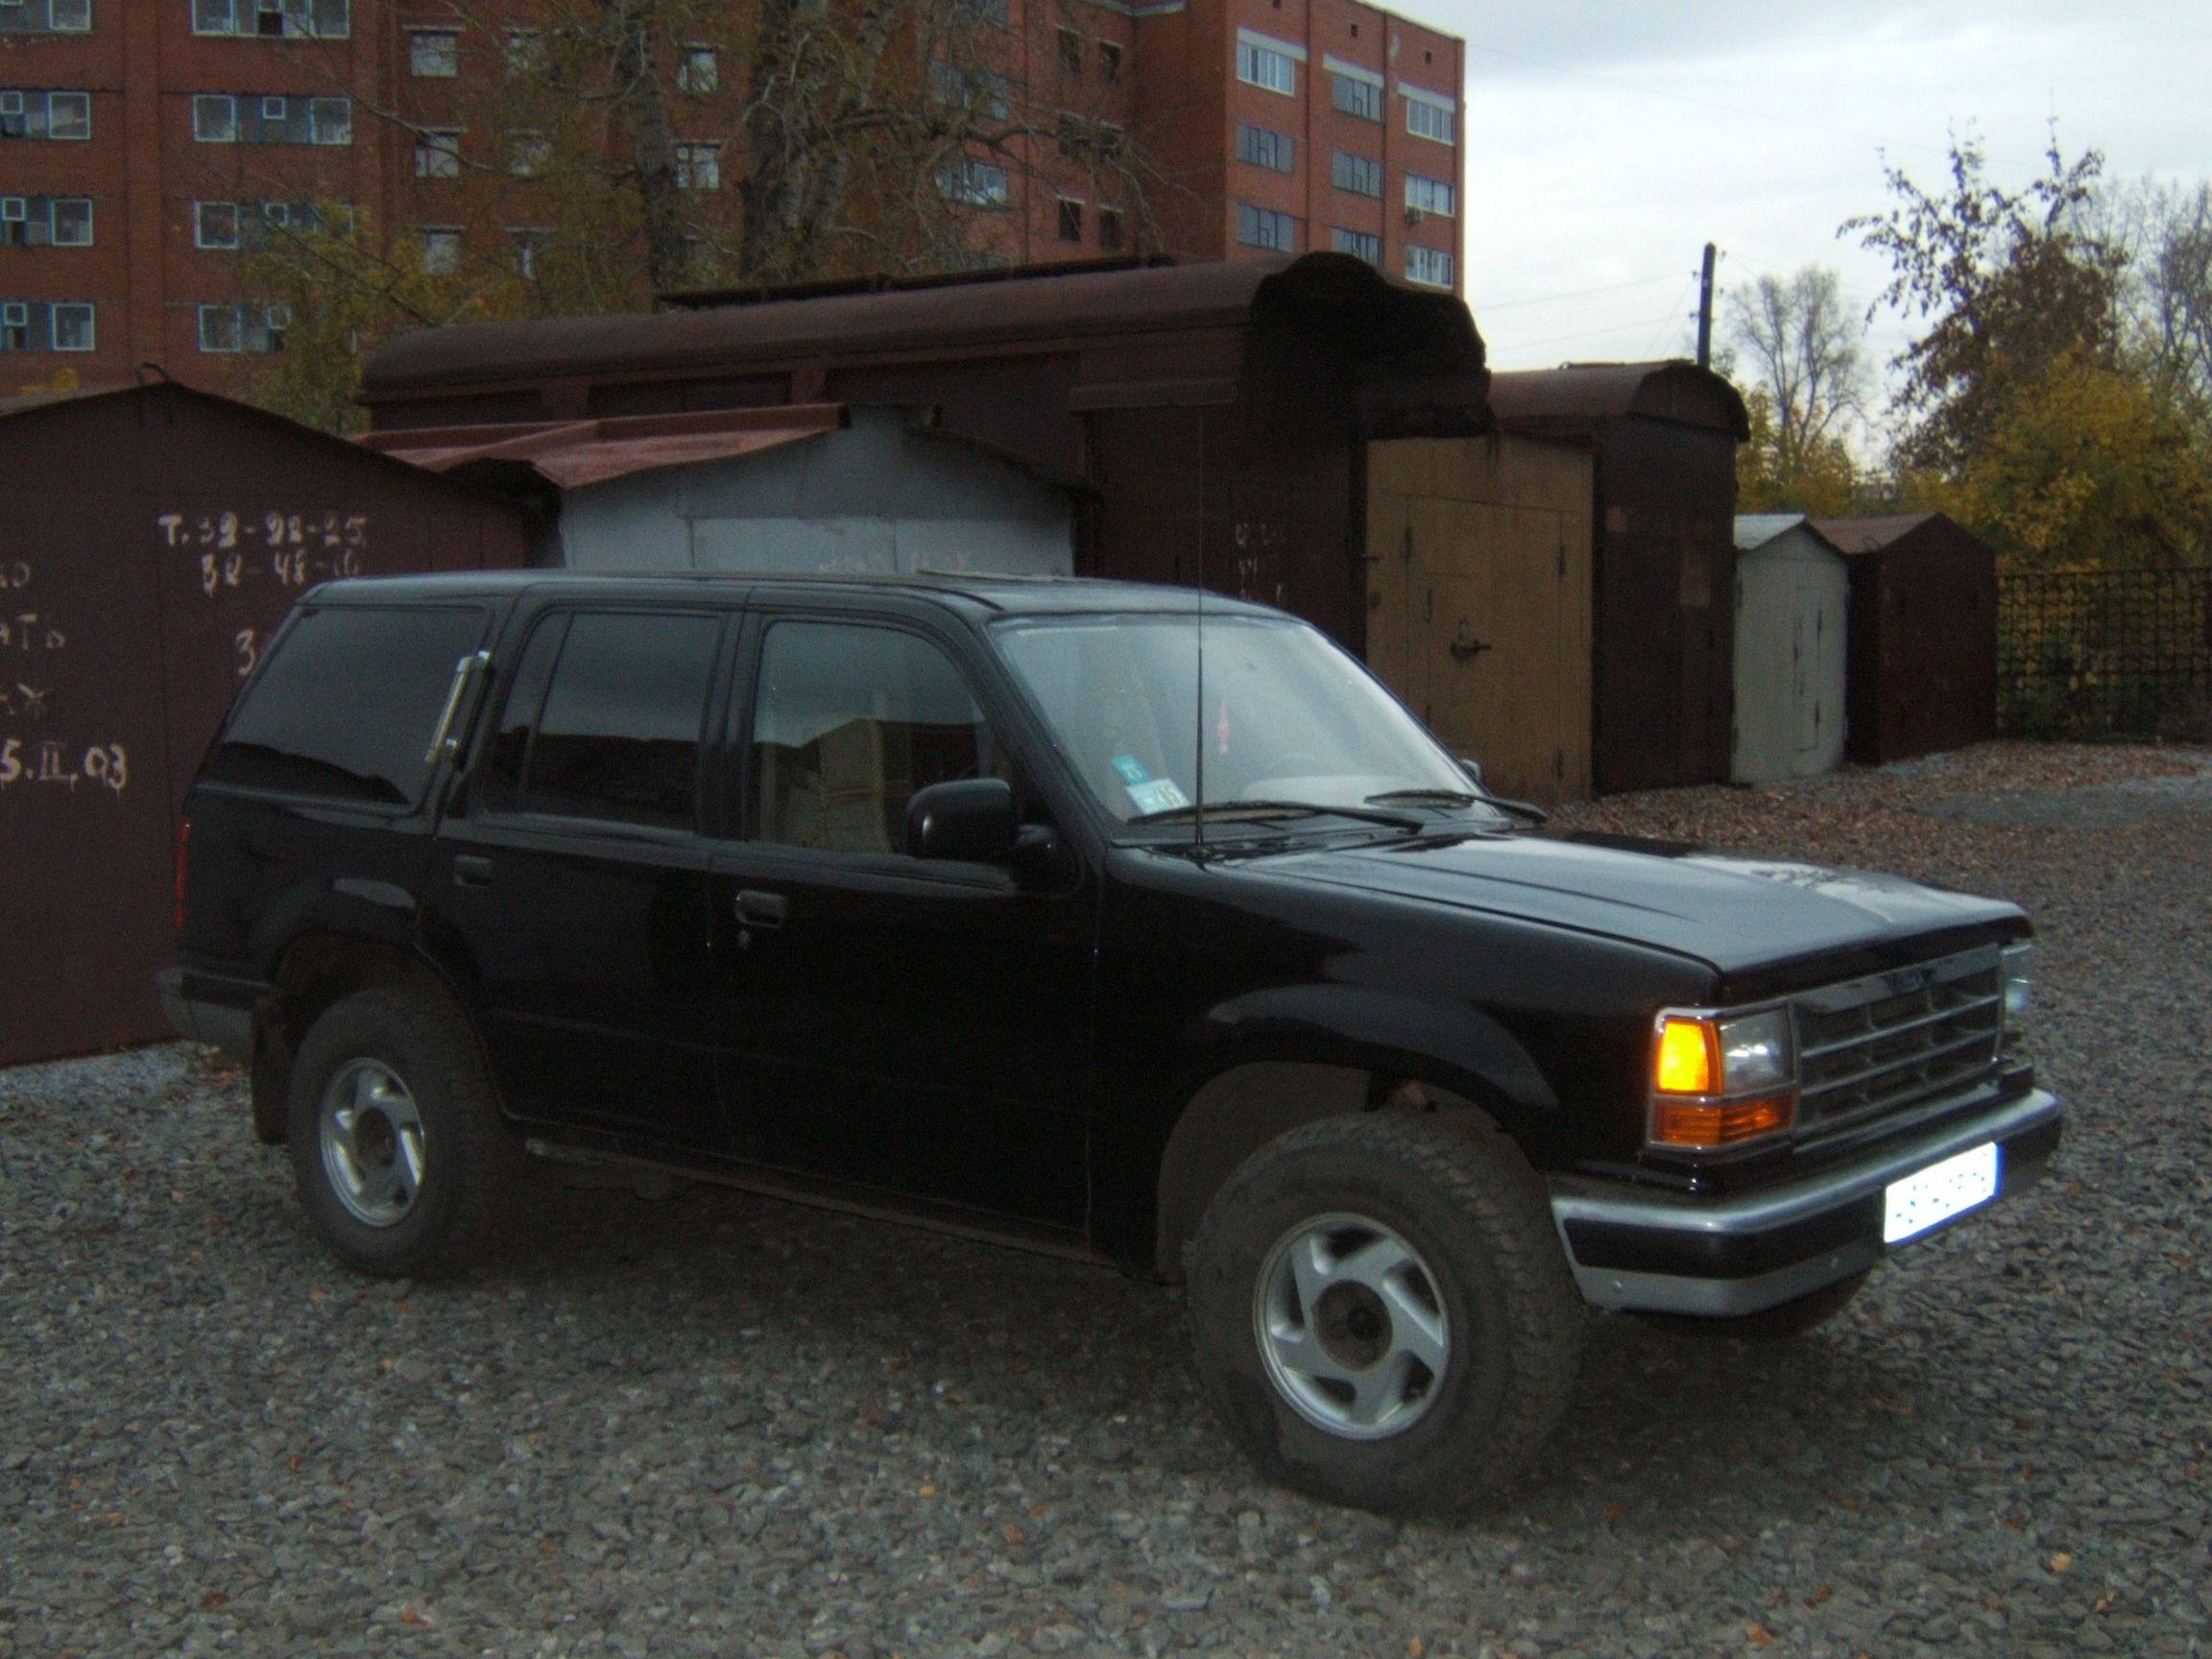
214	118
1431	265
698	166
1264	147
215	224
1109	62
1259	66
73	327
45	16
977	183
46	221
1106	139
699	70
1257	228
1074	138
526	152
273	20
530	245
1357	95
1428	196
434	53
970	87
1359	244
438	152
37	114
525	51
72	220
440	248
15	326
227	327
1356	173
1070	52
1070	219
1428	116
1109	229
331	120
975	12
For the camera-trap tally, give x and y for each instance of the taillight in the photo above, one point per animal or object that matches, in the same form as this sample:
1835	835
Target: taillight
184	835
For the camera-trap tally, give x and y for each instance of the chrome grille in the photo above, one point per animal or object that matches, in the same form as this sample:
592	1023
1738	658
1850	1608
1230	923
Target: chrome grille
1874	1044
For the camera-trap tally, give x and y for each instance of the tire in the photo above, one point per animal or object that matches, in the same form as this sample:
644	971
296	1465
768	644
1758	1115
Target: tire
402	1162
1773	1325
1383	1312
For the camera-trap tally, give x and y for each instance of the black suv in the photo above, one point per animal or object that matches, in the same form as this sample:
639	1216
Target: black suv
1085	916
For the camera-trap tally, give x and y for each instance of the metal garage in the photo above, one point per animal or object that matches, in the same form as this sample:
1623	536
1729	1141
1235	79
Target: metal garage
1792	594
1663	585
152	540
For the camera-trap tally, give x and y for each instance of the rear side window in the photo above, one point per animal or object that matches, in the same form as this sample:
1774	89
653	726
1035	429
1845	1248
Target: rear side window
605	718
346	707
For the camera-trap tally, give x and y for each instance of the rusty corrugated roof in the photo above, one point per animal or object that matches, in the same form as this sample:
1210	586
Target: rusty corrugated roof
1323	294
1576	395
572	453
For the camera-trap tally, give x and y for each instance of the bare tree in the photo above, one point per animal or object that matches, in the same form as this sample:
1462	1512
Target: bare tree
1805	350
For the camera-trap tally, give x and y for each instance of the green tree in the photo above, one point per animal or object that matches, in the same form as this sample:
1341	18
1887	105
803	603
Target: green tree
2006	283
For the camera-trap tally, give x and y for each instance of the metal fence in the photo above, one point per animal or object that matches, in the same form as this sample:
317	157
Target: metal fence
2105	654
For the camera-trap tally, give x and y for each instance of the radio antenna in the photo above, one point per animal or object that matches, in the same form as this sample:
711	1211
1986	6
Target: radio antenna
1198	731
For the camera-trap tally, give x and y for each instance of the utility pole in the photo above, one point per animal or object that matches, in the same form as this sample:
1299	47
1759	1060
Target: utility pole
1705	311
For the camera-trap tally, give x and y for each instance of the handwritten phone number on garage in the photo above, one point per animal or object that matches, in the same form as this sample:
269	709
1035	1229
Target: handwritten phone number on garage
289	549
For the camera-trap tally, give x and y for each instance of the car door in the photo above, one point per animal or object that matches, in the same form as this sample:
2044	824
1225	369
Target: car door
571	878
919	1026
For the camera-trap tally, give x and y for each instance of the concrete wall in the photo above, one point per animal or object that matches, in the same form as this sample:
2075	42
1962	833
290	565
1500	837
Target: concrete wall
878	496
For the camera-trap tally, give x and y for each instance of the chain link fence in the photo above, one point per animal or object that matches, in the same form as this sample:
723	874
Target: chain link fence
2090	654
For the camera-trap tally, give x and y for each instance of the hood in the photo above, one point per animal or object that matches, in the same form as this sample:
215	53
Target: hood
1737	914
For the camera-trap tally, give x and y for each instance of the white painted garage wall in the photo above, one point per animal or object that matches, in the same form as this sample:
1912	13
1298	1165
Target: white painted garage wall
880	496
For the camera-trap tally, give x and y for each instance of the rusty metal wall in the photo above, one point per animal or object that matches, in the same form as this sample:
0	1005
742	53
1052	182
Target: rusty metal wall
151	540
1664	584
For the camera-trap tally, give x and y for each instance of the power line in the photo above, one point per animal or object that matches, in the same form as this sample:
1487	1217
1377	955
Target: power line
1672	315
1483	309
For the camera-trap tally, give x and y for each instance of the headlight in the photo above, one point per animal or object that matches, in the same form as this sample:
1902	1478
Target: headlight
1721	1079
2019	980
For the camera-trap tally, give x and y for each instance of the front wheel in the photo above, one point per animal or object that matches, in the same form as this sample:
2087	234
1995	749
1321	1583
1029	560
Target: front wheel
401	1159
1381	1311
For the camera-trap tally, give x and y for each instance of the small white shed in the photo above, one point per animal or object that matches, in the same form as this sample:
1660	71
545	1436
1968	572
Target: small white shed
1793	593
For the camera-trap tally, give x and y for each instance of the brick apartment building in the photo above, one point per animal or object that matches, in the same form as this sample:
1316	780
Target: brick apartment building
146	145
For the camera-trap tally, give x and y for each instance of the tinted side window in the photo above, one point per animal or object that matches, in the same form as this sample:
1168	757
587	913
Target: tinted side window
346	707
851	720
509	751
618	735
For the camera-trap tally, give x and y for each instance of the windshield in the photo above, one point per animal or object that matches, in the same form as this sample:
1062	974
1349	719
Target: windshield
1289	718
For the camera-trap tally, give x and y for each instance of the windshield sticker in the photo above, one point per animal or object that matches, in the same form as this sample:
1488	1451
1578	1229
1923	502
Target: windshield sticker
1132	770
1160	795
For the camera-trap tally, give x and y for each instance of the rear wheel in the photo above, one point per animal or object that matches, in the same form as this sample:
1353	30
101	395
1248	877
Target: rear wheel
401	1159
1381	1313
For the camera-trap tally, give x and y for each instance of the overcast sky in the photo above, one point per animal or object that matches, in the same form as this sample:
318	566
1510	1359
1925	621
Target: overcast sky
1608	140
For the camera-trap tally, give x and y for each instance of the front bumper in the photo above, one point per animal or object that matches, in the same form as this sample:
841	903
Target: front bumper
1650	1252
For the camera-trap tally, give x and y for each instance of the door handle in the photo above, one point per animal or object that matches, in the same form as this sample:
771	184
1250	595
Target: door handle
1467	647
759	909
471	870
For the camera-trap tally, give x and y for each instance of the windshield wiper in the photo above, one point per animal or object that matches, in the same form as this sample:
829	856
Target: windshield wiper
1229	811
1423	798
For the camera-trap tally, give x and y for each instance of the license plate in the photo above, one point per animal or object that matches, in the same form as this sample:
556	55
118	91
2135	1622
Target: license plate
1939	1193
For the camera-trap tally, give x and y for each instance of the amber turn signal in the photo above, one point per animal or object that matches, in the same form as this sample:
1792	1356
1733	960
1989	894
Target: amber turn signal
1688	1058
1718	1123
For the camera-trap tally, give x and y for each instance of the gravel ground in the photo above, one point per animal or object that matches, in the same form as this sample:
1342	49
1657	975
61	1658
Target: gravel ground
718	1424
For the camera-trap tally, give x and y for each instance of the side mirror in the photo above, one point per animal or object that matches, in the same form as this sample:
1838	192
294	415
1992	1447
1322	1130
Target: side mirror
970	819
1474	771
